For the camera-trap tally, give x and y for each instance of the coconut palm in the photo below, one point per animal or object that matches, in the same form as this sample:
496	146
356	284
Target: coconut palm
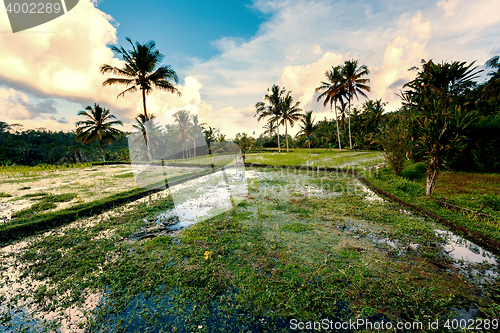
97	126
333	91
195	129
142	71
354	84
141	123
290	113
493	87
273	109
307	127
270	129
183	123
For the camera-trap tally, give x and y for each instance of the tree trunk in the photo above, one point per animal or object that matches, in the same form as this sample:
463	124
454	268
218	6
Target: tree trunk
286	137
337	122
349	118
278	131
194	143
102	151
146	124
432	174
309	145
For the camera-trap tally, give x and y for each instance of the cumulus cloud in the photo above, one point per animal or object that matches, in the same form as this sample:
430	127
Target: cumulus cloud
448	6
17	106
420	29
302	80
293	48
61	59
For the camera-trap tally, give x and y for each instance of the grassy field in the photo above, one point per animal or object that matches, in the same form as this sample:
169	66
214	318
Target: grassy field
303	245
318	157
471	192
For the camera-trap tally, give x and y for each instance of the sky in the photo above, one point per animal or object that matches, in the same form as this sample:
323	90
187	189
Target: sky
228	53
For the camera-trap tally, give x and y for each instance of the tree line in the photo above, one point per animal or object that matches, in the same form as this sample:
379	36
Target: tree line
447	119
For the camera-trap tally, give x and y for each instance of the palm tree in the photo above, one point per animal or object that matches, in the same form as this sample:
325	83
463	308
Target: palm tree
290	114
195	130
273	109
143	71
97	126
333	91
307	127
493	87
270	129
142	122
354	84
183	123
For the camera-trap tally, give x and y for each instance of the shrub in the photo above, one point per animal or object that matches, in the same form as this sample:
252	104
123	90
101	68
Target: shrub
414	171
408	187
4	195
396	142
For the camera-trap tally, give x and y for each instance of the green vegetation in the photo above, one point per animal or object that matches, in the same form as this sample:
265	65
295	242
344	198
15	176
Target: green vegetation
472	192
262	262
98	125
4	195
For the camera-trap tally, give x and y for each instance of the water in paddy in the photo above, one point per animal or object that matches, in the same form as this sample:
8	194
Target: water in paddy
219	192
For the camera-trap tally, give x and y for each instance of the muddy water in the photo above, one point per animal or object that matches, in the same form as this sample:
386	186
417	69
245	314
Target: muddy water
211	195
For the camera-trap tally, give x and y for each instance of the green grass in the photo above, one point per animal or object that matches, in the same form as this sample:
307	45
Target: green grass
4	195
318	157
466	190
35	195
24	171
28	222
292	256
297	227
34	209
125	175
286	265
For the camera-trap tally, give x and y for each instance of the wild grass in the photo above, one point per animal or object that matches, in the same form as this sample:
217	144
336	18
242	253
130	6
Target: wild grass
4	195
467	190
318	157
255	266
29	171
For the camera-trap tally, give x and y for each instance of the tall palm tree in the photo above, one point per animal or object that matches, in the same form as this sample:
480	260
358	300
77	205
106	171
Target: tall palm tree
97	126
307	127
142	71
354	84
183	123
333	91
195	130
290	113
273	109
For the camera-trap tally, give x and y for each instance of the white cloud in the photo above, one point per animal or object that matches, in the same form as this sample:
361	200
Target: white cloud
293	48
61	59
448	6
420	29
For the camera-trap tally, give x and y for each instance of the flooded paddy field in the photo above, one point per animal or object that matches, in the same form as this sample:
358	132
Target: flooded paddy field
248	252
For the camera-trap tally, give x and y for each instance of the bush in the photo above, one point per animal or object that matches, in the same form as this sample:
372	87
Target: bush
4	195
396	142
408	187
414	171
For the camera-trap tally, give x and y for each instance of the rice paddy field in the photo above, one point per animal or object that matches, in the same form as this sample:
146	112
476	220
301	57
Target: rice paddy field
252	249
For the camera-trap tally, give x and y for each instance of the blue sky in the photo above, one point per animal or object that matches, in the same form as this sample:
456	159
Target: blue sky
184	29
228	53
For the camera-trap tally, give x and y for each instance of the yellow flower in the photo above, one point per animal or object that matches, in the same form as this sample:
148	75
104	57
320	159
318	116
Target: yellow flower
208	255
